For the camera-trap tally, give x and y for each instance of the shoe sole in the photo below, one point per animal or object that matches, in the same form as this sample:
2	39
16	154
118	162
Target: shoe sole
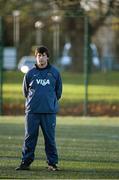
53	169
20	169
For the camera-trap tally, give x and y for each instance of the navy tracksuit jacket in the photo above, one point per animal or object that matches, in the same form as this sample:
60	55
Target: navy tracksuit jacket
42	89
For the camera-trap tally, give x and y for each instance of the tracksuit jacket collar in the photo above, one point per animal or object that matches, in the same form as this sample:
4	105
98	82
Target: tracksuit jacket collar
47	67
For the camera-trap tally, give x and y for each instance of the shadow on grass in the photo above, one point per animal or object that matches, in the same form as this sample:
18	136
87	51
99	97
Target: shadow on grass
42	172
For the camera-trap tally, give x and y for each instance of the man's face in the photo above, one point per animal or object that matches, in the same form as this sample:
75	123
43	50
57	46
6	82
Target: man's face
41	59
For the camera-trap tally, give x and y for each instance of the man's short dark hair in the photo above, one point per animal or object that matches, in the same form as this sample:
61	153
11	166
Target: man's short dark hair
42	49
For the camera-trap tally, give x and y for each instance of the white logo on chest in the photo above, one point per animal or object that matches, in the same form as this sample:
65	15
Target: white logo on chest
43	82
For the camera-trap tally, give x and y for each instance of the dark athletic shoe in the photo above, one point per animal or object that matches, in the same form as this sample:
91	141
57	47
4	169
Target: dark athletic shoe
53	168
23	166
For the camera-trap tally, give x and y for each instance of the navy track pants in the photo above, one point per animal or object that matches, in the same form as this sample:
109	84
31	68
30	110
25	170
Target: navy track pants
47	122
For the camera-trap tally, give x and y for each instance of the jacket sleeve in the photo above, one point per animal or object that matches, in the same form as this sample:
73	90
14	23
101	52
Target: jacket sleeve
58	87
25	86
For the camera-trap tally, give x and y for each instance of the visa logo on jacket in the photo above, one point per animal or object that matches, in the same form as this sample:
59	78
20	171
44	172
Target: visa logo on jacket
43	82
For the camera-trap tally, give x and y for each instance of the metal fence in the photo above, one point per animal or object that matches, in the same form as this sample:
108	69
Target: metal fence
86	56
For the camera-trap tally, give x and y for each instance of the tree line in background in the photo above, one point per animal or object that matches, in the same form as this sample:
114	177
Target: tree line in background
103	18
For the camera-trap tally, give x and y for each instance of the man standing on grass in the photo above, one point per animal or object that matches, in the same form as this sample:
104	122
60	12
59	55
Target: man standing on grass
42	87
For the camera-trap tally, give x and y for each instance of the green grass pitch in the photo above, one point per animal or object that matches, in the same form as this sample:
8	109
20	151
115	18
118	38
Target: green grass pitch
88	149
